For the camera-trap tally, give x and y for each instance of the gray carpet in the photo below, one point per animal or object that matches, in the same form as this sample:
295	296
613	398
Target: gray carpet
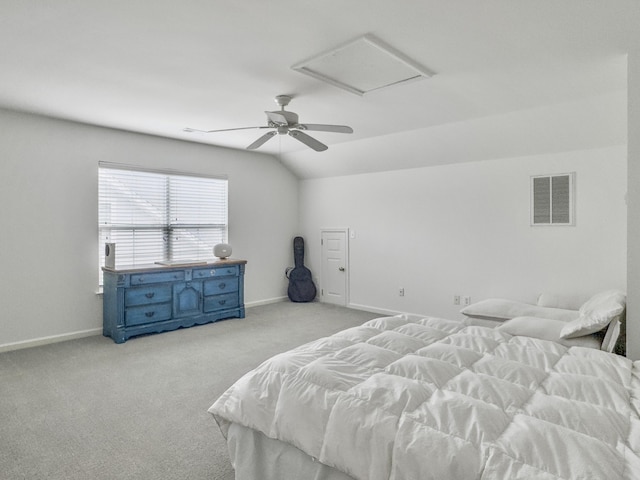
91	409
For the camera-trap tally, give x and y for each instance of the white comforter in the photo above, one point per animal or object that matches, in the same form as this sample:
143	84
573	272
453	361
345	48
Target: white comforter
424	398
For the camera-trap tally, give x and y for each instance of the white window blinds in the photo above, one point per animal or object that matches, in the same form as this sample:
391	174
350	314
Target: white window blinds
158	216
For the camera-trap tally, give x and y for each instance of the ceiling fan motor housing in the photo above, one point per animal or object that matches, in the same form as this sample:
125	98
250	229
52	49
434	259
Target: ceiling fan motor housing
283	117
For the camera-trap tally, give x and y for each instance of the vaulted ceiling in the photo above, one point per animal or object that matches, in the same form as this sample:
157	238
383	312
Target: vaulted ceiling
511	76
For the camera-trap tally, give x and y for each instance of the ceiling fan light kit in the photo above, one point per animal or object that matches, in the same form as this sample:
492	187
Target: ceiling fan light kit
284	122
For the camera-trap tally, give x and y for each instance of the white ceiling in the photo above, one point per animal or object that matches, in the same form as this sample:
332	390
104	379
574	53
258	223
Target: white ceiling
158	66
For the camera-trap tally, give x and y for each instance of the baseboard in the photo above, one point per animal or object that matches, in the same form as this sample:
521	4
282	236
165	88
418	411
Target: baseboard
383	311
265	302
37	342
368	308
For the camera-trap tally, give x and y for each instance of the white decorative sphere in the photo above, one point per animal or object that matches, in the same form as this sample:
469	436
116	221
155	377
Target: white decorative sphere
222	250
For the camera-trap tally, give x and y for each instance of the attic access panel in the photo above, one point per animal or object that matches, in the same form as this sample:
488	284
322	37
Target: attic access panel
363	65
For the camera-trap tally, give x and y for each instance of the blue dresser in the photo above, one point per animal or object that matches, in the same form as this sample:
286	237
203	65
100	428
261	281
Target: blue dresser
152	299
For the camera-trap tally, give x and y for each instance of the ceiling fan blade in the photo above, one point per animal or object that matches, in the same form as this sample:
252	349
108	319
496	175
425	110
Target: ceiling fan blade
308	141
261	141
325	128
277	118
192	130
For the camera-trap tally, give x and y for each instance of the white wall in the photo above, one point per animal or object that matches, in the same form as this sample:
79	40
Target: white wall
48	205
464	229
586	123
633	219
458	229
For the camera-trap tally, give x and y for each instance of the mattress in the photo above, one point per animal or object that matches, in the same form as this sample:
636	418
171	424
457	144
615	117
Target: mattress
408	397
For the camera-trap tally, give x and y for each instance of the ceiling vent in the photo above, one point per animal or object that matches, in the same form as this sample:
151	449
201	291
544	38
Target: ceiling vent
362	66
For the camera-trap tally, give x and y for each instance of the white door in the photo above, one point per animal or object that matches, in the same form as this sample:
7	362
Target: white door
333	288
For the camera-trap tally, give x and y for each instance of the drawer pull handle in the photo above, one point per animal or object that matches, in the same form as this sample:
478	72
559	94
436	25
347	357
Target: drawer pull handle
222	286
141	279
150	294
213	272
222	302
149	314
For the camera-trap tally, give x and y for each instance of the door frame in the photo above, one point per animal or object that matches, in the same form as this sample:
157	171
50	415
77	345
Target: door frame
347	279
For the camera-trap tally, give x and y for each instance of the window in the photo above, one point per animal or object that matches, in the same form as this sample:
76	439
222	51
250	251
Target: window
552	199
159	216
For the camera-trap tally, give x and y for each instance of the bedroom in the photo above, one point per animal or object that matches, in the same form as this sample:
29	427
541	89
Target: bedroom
457	225
467	156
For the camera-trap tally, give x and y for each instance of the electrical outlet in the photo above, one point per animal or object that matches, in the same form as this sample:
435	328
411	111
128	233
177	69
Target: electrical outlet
467	300
456	299
401	291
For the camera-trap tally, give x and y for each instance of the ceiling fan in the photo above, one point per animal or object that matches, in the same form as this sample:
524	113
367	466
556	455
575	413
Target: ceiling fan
283	122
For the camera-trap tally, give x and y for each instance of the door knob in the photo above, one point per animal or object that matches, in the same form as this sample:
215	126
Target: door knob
341	269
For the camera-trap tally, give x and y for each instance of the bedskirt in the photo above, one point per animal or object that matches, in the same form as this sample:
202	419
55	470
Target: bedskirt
256	456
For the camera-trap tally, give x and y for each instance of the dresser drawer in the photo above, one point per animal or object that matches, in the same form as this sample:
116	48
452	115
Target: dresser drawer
147	314
220	302
147	295
221	285
156	277
231	270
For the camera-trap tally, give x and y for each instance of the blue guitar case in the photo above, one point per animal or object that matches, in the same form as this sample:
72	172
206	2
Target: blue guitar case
301	286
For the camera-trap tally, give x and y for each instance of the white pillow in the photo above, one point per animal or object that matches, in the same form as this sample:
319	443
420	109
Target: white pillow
568	302
596	314
546	329
502	309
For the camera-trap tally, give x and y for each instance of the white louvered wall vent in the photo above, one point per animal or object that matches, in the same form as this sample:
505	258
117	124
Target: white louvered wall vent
552	199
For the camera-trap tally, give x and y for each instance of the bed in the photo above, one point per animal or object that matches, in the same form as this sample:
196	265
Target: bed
411	397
